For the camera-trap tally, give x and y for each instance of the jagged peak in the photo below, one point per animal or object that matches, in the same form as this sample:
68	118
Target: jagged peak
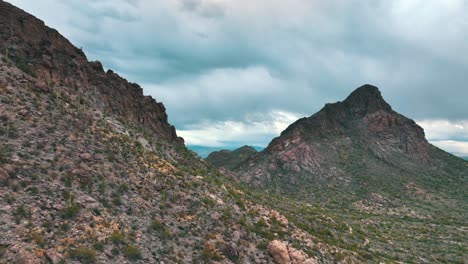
366	99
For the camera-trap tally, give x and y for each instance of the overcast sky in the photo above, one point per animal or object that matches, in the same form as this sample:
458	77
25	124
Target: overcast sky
235	72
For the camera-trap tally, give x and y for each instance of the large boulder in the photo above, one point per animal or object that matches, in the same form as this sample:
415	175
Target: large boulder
296	256
279	252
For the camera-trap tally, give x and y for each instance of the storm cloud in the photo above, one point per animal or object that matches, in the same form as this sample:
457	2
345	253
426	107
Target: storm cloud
216	64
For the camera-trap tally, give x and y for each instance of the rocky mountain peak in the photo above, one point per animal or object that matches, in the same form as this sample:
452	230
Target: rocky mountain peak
366	99
363	123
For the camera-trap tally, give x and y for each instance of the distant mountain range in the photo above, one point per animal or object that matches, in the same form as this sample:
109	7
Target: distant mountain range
204	151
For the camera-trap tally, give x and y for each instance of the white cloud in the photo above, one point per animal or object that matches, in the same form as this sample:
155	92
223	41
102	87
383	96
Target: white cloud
437	130
217	93
217	61
257	130
459	148
451	136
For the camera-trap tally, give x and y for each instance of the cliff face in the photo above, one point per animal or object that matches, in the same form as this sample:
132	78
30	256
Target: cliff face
61	67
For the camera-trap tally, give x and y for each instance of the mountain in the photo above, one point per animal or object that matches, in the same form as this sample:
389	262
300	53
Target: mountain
204	151
91	171
349	144
364	168
230	159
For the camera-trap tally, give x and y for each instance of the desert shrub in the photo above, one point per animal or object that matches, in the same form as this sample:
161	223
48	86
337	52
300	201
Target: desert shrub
5	153
71	209
24	67
21	212
117	237
160	228
38	237
209	252
84	255
132	252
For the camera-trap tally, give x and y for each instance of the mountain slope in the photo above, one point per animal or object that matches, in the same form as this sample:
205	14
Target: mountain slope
230	159
91	171
43	53
358	163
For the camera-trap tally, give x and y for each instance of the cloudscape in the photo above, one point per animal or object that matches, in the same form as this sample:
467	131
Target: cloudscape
236	72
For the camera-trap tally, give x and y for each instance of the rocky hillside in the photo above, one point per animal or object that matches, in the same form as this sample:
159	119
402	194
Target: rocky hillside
230	159
58	66
91	171
370	171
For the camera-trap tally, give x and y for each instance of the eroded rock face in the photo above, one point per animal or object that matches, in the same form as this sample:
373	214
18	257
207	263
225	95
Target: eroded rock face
61	67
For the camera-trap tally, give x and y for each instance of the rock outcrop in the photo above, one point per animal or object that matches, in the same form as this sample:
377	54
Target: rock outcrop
279	251
284	254
61	67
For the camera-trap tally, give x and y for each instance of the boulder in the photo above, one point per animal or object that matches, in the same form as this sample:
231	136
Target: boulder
53	256
279	252
86	156
311	261
296	256
231	251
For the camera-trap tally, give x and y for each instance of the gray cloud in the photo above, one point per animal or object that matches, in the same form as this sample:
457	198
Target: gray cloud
222	60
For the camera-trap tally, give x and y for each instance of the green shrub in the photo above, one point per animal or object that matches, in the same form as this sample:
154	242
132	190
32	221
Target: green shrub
158	226
5	153
84	255
26	69
132	252
117	237
71	209
21	213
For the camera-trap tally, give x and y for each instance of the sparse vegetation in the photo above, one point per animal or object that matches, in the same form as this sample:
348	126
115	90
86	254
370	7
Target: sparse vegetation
71	208
84	255
132	252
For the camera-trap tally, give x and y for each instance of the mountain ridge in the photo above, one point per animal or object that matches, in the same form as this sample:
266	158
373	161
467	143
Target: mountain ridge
92	172
42	52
